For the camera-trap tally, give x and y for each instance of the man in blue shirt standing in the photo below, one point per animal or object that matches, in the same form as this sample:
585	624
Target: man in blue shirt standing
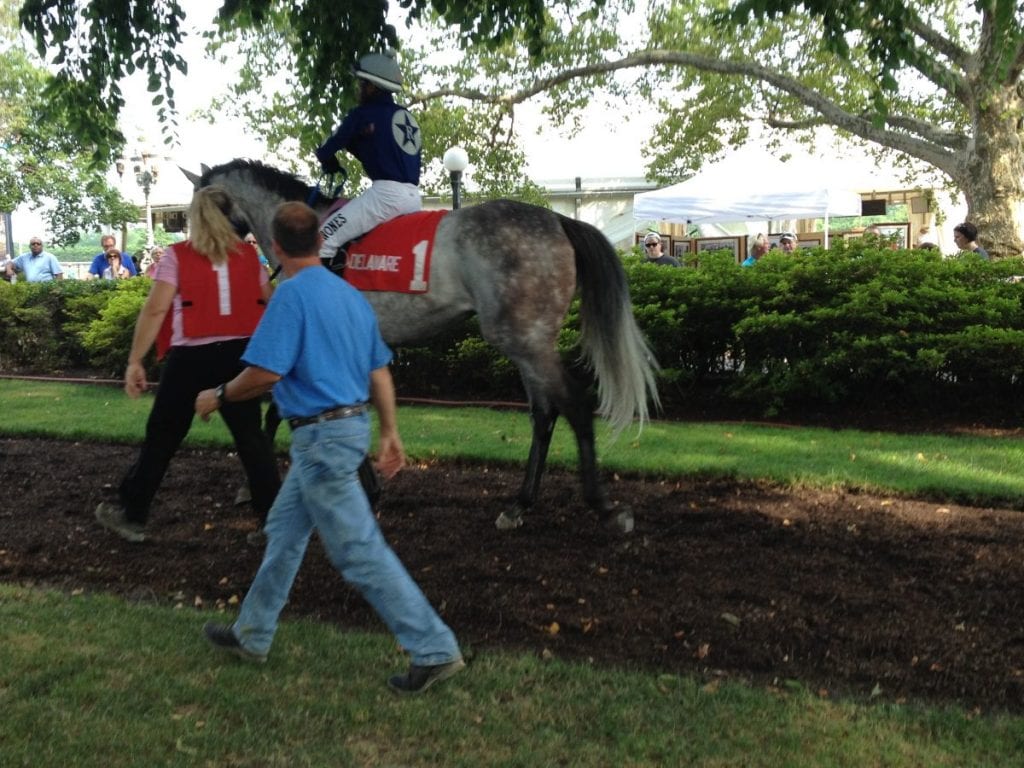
386	139
100	262
38	266
319	348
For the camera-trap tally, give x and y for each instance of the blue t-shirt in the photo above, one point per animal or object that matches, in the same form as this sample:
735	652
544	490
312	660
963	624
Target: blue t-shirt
321	336
39	268
100	263
383	136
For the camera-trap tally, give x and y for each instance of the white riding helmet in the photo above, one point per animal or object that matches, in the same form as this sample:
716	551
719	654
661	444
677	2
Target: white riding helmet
381	69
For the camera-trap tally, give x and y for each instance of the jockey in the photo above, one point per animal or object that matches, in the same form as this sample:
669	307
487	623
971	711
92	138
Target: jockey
385	138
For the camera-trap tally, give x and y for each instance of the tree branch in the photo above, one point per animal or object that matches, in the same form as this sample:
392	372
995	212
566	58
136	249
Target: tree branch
932	146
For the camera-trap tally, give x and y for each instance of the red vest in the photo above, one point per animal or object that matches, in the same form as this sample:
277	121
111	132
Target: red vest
216	301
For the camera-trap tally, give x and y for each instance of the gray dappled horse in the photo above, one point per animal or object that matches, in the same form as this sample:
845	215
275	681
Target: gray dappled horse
516	266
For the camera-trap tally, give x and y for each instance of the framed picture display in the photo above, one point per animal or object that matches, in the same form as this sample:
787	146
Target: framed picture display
899	234
811	240
731	244
681	247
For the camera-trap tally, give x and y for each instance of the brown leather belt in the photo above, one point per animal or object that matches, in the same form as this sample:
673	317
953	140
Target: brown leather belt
341	412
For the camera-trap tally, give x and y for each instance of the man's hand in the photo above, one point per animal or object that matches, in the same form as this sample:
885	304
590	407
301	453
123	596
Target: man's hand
390	455
207	403
134	379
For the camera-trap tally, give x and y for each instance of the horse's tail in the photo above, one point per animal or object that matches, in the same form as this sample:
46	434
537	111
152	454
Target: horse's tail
613	346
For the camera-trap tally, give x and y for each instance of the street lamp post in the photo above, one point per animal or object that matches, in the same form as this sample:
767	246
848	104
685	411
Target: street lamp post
455	161
146	172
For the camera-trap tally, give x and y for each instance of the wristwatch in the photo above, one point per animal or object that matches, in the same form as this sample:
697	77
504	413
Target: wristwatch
221	395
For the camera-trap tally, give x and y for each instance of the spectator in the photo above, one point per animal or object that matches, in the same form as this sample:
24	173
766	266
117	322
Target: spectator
100	261
3	268
37	265
154	258
966	238
207	296
926	238
652	246
115	270
757	250
251	240
787	242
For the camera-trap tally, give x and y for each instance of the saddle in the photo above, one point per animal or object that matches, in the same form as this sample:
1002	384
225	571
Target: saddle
394	256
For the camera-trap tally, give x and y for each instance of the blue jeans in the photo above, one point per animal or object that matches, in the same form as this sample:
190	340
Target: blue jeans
322	491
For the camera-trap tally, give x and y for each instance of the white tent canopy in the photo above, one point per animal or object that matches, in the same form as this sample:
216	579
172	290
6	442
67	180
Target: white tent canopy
750	185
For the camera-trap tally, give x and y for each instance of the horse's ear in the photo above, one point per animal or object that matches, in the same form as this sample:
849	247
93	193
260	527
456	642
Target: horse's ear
191	177
204	168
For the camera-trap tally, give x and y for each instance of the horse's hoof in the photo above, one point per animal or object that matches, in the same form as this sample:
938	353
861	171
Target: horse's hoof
243	496
620	522
506	522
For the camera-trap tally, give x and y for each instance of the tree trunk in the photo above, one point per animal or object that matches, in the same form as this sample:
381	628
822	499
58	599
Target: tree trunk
992	173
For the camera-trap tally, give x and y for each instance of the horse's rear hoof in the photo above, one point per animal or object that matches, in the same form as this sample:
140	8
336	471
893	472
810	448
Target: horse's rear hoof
620	522
506	522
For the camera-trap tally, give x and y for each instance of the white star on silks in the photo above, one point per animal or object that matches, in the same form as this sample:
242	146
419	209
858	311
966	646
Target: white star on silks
409	129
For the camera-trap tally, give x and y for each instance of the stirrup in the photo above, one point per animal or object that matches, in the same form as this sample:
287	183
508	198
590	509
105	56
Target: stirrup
337	263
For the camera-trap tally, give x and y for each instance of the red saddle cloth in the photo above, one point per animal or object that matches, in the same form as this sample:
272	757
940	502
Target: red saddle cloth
395	255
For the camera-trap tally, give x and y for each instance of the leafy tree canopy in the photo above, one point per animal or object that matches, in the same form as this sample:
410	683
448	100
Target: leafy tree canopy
39	159
96	44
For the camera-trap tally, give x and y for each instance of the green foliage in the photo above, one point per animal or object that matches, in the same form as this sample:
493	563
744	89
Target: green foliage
860	327
108	337
44	160
99	44
69	324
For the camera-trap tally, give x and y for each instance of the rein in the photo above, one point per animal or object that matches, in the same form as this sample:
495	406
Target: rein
314	191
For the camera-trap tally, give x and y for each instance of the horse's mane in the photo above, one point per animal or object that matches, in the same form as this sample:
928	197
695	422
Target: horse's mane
272	179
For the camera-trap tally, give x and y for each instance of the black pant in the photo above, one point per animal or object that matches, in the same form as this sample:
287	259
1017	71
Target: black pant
189	370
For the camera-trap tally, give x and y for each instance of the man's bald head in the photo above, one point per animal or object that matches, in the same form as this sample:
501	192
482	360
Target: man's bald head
296	229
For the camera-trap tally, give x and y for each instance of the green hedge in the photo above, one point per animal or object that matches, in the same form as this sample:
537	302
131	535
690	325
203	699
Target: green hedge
855	328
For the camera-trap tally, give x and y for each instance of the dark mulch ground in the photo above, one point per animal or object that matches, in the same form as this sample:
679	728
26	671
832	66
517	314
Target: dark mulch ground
849	594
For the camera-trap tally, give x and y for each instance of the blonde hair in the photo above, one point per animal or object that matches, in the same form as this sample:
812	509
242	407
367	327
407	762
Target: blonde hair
212	233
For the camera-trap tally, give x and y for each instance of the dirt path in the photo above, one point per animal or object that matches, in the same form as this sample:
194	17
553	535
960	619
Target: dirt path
847	594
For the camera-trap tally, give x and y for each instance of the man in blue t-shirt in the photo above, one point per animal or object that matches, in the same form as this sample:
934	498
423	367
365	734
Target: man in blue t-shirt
319	348
37	266
100	262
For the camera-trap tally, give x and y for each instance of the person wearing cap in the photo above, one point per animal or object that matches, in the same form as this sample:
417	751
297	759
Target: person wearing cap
386	139
787	242
652	247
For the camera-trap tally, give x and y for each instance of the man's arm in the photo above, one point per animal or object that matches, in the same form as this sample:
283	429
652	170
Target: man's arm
252	382
390	452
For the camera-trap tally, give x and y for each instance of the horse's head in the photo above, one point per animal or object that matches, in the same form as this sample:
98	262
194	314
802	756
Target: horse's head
256	190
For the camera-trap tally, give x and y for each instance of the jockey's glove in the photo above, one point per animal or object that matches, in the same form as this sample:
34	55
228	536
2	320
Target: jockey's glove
331	165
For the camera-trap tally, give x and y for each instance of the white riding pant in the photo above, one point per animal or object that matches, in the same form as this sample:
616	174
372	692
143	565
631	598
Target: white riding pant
382	201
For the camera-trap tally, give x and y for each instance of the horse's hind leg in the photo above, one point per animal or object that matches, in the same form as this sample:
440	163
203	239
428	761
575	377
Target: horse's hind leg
579	412
562	393
543	420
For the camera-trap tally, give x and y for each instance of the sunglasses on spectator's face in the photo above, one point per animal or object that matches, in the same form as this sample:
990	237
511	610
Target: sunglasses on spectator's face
649	245
35	242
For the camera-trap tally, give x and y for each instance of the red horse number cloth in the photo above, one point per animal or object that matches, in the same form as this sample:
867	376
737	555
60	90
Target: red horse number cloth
395	255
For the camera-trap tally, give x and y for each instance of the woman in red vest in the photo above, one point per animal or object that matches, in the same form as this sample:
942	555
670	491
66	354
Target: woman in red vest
208	294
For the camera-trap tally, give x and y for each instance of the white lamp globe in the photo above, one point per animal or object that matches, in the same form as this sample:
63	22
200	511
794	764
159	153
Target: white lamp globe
455	160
